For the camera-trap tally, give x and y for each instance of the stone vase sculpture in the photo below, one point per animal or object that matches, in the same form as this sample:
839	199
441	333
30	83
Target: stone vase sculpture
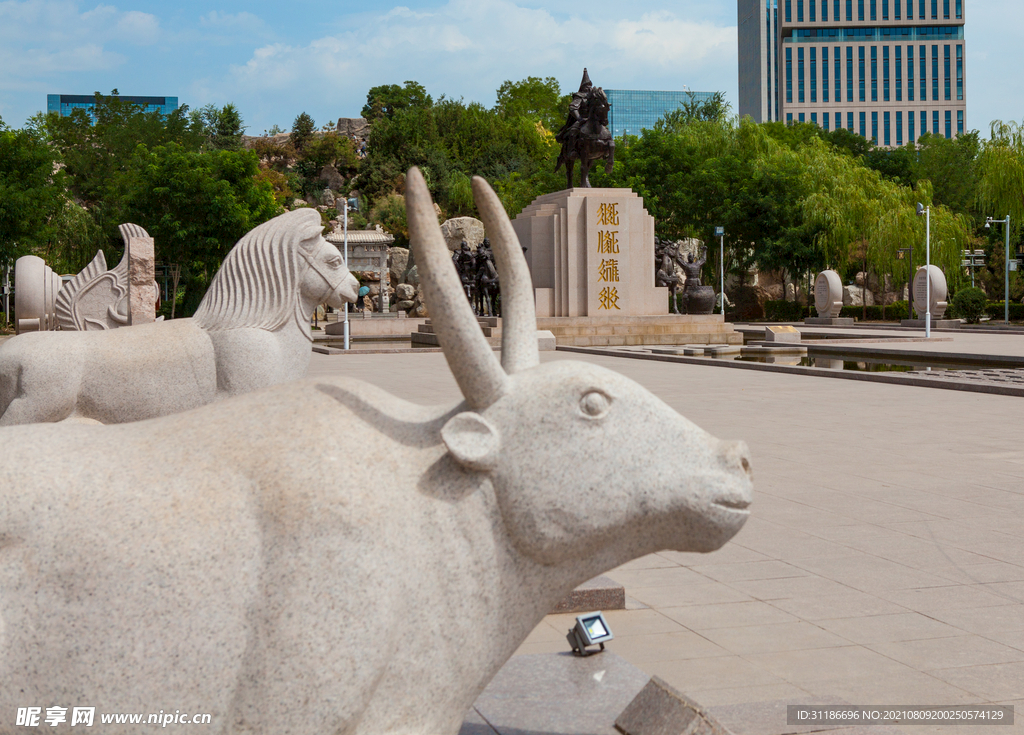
35	294
241	560
250	331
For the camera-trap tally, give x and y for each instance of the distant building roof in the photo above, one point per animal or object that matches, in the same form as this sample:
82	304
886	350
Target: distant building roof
376	236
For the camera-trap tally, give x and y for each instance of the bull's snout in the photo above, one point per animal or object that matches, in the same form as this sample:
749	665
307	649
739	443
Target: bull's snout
734	458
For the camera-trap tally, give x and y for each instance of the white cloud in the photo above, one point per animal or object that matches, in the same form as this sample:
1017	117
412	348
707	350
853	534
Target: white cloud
42	38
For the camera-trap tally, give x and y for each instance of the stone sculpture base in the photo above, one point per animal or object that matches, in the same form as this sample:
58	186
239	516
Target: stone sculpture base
618	331
936	323
600	593
827	321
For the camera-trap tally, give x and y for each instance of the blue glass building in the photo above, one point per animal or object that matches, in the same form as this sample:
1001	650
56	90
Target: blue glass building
65	103
633	110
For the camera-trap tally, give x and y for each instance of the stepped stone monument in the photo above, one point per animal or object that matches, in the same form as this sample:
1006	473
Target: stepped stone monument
591	253
242	560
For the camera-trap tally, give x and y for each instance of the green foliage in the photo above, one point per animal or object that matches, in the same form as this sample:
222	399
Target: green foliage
390	214
715	110
222	127
952	168
969	304
302	131
997	310
452	141
387	99
534	98
31	193
196	205
784	311
891	313
330	149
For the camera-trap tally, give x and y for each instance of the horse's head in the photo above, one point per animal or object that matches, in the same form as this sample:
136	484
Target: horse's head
598	106
326	280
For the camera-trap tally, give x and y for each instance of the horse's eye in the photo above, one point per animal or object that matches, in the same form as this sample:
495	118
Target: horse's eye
595	404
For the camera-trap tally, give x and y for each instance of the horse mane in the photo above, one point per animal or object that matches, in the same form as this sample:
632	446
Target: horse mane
257	285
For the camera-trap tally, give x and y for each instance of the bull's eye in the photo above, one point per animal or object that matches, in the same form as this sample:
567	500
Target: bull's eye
594	404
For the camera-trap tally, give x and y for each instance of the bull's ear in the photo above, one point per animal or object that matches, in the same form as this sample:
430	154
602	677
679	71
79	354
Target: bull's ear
472	440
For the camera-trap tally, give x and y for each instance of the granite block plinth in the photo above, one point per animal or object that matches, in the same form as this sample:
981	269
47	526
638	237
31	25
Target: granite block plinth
600	593
829	321
561	694
660	709
936	323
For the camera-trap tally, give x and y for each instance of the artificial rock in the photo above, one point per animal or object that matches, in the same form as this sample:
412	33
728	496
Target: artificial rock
269	576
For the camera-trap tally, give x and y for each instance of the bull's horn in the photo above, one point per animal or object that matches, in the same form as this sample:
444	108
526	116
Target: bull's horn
472	361
518	312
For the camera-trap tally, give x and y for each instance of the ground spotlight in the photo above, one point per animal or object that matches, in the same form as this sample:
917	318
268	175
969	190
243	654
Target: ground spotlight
591	629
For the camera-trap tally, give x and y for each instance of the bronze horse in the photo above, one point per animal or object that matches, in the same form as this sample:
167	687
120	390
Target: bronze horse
593	142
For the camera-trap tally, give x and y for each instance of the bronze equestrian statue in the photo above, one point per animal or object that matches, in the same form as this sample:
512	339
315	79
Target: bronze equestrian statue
585	136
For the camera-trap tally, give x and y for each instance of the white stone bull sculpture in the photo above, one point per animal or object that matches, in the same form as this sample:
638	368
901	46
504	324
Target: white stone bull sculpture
250	331
244	560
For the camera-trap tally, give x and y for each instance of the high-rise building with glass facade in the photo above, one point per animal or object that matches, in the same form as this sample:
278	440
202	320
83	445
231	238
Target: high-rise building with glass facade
66	103
633	110
889	70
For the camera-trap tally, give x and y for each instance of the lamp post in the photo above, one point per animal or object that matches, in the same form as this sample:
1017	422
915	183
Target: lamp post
720	231
1006	293
345	211
926	212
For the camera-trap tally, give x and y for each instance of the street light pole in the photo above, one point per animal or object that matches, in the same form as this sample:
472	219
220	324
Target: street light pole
927	212
720	231
1006	284
346	344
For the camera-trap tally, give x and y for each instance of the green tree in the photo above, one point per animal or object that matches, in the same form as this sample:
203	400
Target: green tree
196	205
713	109
1001	175
534	98
303	130
387	99
952	167
31	193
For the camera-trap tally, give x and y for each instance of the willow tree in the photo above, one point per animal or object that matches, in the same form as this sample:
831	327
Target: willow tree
861	214
1001	163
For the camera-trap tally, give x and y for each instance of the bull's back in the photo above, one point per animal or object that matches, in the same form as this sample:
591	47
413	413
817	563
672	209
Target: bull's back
126	574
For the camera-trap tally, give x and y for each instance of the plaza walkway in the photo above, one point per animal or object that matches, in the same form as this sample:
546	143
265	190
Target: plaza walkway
883	562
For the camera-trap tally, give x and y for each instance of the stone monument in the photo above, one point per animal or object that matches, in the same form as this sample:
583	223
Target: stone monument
828	301
261	572
35	294
938	299
250	331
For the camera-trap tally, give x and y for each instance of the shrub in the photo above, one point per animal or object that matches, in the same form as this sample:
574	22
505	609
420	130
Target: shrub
969	304
996	310
784	311
892	313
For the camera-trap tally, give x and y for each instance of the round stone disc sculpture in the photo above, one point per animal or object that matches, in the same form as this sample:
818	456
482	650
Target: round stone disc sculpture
938	292
828	294
35	291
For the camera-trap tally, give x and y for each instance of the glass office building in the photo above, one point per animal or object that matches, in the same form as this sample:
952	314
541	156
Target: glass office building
889	70
633	110
66	103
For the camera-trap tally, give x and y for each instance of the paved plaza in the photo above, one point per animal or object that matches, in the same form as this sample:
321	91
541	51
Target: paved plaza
883	563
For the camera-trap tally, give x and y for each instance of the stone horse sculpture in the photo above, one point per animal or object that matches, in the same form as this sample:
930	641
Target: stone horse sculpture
585	136
242	561
250	331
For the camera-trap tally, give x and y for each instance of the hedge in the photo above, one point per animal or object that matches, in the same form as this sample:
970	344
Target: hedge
784	311
997	309
893	312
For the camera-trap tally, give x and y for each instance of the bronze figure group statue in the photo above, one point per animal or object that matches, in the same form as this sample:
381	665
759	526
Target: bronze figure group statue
479	277
696	298
585	136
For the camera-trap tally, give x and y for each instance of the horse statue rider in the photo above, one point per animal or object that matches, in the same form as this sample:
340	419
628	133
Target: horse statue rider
585	135
487	283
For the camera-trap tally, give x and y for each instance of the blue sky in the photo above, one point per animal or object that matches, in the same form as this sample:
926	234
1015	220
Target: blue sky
276	60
